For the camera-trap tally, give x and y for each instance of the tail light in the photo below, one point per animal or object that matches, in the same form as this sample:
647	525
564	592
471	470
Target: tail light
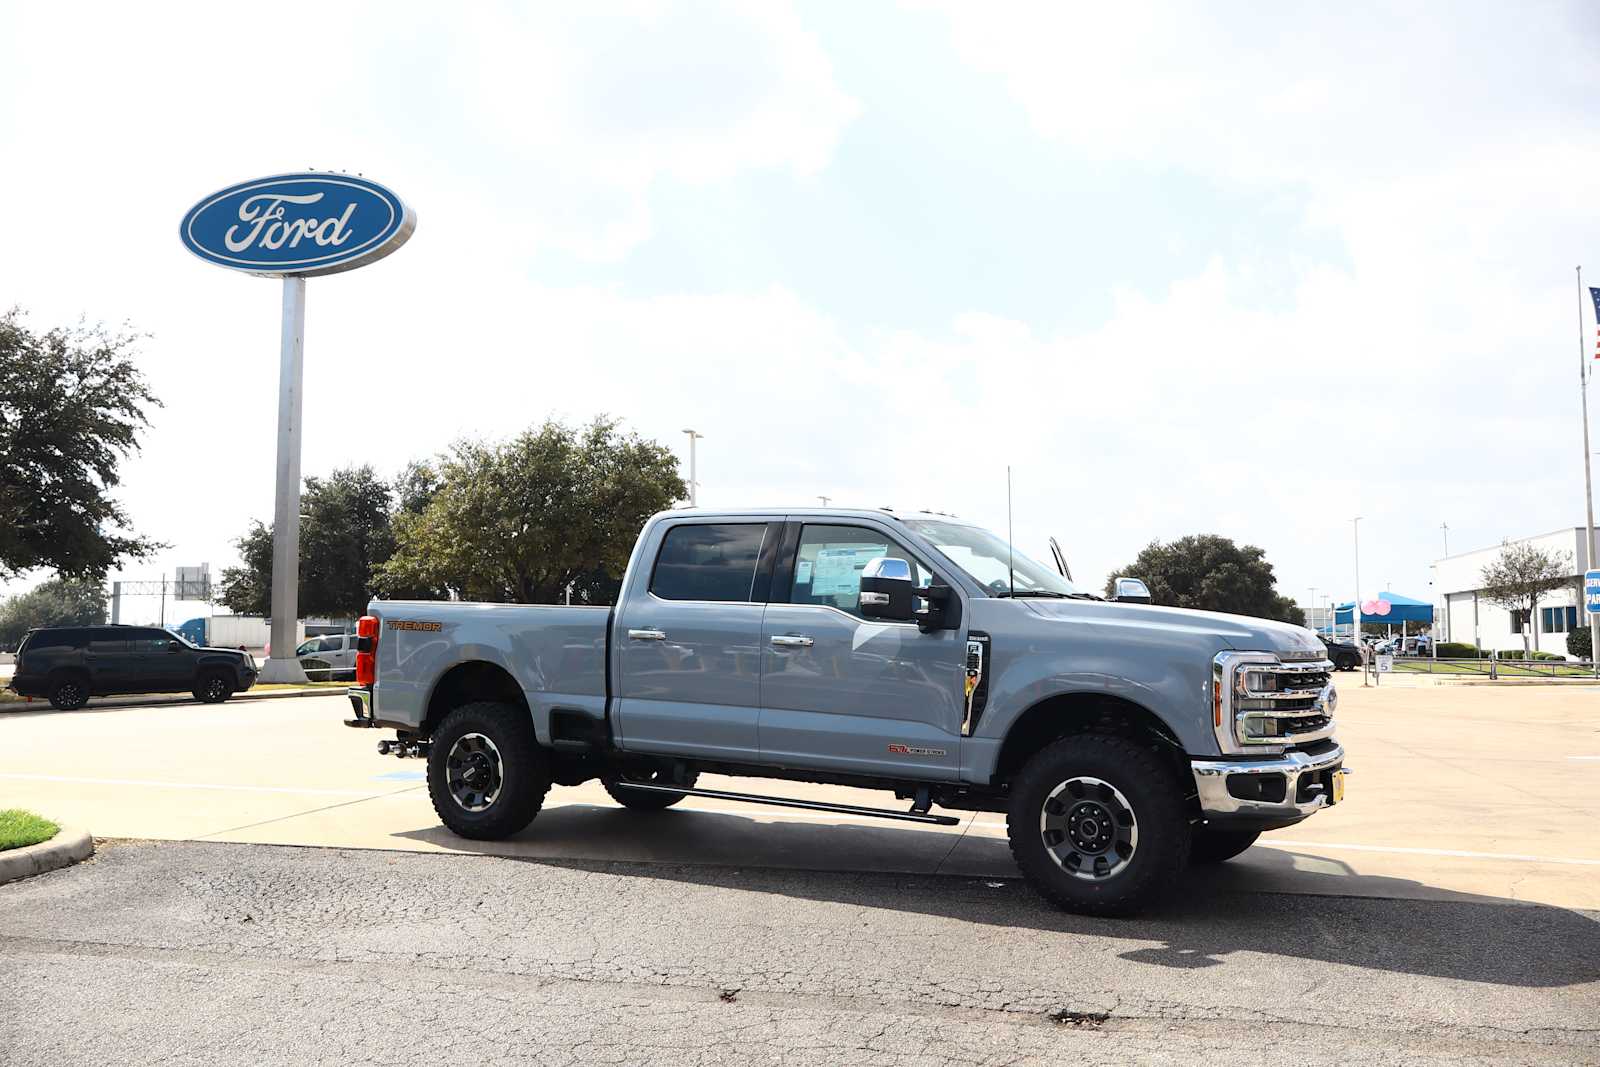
367	650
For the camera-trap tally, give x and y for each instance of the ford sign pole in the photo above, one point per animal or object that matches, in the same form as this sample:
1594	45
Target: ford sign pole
281	665
294	227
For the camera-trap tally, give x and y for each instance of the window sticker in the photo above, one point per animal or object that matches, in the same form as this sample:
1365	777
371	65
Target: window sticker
802	572
838	568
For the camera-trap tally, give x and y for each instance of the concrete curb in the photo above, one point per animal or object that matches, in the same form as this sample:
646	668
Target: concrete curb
69	846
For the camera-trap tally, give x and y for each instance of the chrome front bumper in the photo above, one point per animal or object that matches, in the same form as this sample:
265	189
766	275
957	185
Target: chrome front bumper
1282	790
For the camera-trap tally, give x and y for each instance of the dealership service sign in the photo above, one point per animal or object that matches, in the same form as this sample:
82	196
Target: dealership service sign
298	224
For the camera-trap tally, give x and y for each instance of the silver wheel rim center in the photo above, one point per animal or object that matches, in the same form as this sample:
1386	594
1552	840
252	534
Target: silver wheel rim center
1088	828
473	772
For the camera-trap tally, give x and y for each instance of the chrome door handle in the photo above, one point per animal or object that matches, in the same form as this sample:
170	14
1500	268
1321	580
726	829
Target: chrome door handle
791	641
646	635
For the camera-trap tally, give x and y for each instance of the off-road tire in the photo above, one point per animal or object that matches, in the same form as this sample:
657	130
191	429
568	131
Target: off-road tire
213	688
1152	793
637	800
69	692
1215	846
523	765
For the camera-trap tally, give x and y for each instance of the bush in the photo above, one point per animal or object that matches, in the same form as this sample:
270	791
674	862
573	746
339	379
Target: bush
1458	650
1578	643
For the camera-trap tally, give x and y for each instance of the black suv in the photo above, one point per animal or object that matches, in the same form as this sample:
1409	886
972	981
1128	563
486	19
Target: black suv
69	664
1345	656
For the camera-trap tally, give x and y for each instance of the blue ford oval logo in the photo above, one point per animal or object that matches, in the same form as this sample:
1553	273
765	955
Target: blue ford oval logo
306	224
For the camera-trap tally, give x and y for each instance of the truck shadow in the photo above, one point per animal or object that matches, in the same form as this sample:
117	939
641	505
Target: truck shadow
1333	914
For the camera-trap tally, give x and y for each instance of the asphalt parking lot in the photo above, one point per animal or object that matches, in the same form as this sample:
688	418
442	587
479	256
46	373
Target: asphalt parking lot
1445	912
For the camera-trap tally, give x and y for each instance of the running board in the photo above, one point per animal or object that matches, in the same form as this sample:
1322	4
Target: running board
784	802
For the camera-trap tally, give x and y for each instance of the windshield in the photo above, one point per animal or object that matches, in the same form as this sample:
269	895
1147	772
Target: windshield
989	561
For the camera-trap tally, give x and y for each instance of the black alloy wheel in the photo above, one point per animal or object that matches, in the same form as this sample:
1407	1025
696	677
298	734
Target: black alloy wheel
69	693
487	775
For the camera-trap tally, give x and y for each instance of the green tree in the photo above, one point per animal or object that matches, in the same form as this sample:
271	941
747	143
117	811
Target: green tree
1519	576
58	602
1212	573
346	533
72	404
517	522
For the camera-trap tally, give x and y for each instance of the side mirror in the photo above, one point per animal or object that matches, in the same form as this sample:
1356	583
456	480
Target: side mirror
886	590
173	646
1129	591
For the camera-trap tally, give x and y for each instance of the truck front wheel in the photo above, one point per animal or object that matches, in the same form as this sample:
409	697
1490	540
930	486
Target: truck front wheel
487	775
1097	824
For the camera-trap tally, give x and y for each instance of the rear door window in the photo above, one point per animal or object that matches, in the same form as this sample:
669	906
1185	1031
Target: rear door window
148	641
108	642
709	561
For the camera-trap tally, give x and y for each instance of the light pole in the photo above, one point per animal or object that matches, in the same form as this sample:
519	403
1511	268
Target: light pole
1588	480
1355	605
824	499
1313	598
693	437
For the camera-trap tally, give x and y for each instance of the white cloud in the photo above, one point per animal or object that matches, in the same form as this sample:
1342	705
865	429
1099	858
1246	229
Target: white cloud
1443	155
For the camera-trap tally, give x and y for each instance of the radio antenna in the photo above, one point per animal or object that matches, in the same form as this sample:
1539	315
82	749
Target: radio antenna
1011	552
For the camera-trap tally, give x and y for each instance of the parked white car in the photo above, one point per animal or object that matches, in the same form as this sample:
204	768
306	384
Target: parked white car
329	658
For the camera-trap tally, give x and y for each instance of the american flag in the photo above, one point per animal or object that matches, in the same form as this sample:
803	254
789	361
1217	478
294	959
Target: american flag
1594	294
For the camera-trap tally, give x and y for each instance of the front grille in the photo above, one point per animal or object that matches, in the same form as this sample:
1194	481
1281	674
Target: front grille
1284	703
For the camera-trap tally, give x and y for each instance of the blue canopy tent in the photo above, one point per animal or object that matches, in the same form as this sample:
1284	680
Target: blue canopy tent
1402	609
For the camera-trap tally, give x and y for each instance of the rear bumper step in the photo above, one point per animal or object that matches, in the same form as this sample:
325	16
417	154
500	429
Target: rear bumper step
788	802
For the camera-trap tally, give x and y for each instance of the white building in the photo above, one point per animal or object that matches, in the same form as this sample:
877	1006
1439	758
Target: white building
1464	616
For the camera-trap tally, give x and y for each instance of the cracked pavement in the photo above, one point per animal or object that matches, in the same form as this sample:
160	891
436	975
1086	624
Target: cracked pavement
207	953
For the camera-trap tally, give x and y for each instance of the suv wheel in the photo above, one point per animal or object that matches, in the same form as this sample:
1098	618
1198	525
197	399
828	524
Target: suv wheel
487	775
213	688
1214	846
637	800
69	693
1097	824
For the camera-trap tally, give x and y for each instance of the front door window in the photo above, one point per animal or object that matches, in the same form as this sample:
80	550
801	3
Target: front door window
827	569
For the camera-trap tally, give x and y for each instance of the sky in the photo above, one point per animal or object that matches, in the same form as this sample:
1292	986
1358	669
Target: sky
1184	268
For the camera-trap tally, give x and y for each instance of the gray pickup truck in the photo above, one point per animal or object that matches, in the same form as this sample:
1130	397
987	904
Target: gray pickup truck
913	653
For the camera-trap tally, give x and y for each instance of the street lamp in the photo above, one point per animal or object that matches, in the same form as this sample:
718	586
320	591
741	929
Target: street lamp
693	437
1355	605
824	499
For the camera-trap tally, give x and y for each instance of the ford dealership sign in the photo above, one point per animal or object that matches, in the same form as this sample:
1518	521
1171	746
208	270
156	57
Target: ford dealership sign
298	224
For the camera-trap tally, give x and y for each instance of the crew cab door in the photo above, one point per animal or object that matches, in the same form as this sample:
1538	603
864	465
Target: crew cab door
687	639
844	693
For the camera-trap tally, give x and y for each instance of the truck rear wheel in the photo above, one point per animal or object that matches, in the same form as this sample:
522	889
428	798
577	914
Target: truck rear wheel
1211	845
487	775
639	800
1097	825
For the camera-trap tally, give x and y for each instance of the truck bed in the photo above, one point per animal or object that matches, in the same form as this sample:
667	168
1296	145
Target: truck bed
555	654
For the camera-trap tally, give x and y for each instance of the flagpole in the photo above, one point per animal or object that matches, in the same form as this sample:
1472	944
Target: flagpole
1588	477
